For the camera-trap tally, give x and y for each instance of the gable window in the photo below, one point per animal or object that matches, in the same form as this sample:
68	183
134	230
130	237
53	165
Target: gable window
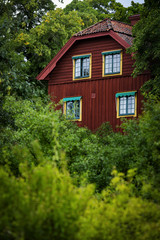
112	63
81	67
126	104
72	108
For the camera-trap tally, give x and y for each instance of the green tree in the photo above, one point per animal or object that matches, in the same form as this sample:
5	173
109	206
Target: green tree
122	14
87	9
25	14
146	46
84	10
40	44
16	16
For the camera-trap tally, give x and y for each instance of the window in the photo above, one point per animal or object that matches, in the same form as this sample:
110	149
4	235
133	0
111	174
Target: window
81	67
72	108
112	63
126	104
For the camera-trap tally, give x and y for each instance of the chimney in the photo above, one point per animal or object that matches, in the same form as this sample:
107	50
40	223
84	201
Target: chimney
134	19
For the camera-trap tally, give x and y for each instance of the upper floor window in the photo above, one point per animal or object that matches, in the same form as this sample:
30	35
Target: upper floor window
112	63
81	66
72	108
126	104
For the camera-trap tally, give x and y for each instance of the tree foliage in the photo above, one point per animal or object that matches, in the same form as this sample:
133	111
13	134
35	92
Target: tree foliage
41	43
25	14
122	14
84	10
43	202
89	154
92	11
17	16
146	46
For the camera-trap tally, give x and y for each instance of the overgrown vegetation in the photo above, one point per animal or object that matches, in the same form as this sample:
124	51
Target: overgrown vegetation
89	154
59	181
41	199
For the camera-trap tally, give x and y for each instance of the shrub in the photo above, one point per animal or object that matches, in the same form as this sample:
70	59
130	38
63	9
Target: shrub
43	203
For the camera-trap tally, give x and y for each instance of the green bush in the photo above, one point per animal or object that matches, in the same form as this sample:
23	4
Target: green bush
40	199
32	120
43	203
91	154
120	214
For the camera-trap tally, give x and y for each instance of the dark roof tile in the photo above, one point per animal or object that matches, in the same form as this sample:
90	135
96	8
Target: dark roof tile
122	29
127	38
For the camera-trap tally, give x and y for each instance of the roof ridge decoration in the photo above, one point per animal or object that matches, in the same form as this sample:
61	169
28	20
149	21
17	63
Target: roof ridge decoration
108	21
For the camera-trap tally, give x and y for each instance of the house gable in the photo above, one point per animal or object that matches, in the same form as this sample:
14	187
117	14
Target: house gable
64	72
120	32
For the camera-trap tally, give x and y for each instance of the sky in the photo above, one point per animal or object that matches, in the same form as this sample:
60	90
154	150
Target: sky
125	3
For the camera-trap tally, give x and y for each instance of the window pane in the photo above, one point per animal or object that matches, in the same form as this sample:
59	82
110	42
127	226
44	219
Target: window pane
116	63
112	63
77	109
77	67
131	105
108	64
85	67
73	109
122	105
69	109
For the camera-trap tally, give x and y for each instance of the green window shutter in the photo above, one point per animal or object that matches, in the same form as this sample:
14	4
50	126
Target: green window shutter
112	52
71	99
83	56
124	94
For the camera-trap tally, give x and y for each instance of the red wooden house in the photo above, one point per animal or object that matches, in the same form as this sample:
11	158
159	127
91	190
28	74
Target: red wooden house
92	74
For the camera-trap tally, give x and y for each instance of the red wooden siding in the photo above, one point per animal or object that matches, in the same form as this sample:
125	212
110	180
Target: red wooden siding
98	97
63	70
98	93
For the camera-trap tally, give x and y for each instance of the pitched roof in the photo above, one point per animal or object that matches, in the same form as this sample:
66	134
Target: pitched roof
122	29
119	31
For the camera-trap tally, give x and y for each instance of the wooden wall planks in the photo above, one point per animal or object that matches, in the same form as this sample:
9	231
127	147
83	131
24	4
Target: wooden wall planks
99	103
98	93
63	70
